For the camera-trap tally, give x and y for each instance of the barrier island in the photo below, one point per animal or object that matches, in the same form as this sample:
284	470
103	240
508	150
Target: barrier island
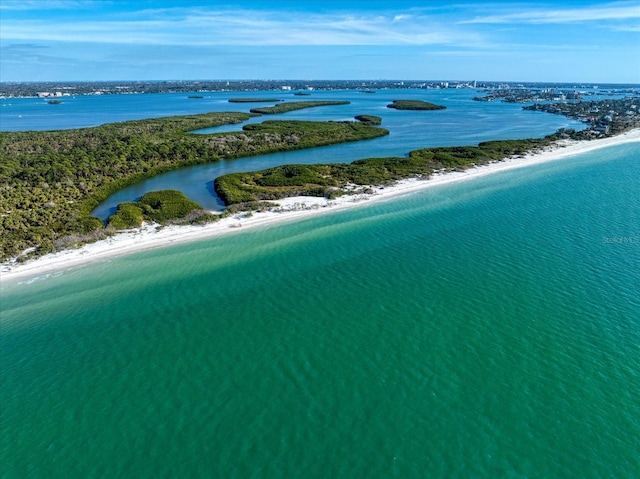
334	179
51	181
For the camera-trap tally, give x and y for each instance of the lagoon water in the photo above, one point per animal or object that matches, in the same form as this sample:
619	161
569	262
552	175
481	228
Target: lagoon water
464	122
489	328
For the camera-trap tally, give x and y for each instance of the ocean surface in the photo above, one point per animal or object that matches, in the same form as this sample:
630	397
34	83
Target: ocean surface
489	328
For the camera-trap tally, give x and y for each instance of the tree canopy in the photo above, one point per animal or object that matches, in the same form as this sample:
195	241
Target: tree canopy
50	181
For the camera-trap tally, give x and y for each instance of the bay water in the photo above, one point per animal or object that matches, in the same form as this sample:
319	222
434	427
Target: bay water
464	122
489	328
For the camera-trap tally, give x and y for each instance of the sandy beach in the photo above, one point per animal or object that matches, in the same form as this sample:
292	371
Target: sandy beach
289	209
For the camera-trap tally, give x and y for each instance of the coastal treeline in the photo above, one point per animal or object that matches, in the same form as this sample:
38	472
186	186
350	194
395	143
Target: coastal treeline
50	181
337	178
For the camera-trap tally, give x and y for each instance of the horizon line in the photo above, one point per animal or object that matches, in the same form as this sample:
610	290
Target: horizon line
258	80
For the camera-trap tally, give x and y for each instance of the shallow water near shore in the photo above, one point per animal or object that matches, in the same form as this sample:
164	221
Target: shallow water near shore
489	328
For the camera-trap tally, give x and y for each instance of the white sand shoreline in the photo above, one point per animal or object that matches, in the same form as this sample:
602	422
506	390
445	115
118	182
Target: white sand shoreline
152	236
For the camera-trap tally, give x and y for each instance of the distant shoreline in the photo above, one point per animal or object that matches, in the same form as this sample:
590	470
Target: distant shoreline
44	89
289	209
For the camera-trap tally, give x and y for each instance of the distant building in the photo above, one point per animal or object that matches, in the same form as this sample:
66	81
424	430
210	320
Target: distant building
46	94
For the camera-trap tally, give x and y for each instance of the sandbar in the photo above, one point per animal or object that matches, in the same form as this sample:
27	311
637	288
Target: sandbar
151	236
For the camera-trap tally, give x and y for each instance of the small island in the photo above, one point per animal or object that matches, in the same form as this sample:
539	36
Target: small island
254	100
369	119
294	105
414	105
164	207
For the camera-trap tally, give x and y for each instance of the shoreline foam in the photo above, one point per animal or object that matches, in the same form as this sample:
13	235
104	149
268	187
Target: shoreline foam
152	236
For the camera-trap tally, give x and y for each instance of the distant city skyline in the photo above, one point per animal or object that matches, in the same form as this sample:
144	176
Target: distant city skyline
92	40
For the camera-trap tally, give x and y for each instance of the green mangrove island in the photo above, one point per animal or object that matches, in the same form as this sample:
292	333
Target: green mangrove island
163	207
369	119
50	181
294	105
254	100
414	105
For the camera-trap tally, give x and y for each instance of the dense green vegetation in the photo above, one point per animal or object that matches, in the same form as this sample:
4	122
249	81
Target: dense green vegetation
254	100
299	131
332	179
414	105
50	181
294	105
369	119
157	206
128	215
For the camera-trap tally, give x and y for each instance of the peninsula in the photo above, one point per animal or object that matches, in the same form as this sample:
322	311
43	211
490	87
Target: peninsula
52	180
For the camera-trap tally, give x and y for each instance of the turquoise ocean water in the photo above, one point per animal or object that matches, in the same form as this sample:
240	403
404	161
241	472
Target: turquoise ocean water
489	328
486	329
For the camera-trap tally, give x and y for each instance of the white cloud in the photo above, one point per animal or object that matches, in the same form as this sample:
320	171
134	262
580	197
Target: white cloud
621	11
40	5
219	27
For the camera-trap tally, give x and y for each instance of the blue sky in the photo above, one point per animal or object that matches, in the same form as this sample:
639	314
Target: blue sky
571	41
